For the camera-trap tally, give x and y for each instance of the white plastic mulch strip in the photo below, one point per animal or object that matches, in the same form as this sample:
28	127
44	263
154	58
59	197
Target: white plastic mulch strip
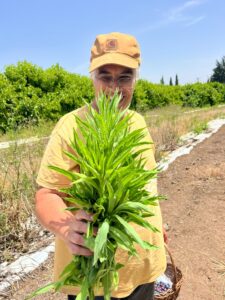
22	266
28	263
5	145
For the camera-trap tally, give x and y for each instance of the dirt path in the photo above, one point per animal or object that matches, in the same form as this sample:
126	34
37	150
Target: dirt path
195	212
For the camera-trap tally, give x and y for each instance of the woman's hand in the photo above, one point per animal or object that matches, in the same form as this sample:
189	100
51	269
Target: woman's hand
52	214
76	231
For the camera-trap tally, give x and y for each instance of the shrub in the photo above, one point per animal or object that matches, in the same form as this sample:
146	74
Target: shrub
28	93
201	94
148	95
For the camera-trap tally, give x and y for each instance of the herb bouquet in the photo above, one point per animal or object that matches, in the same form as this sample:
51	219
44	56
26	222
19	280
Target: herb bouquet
111	185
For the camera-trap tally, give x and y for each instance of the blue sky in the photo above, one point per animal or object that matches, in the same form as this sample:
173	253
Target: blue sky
176	37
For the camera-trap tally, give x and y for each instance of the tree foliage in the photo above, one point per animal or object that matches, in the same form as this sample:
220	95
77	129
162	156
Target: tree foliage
29	93
148	95
219	71
162	81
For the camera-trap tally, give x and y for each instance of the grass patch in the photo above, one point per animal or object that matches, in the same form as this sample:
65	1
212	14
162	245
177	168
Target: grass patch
44	128
167	125
199	127
19	166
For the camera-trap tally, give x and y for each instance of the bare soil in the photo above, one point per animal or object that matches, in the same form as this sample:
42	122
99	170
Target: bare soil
195	213
195	216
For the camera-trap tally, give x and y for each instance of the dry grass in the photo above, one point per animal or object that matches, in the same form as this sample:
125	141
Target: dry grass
219	267
44	128
19	165
167	125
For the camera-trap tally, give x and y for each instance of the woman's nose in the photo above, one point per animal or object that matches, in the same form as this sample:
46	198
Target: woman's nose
114	88
114	83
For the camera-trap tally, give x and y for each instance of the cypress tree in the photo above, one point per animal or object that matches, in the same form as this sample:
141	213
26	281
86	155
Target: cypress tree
176	80
162	81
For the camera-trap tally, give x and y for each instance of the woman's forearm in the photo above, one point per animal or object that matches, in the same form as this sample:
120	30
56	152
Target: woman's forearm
51	213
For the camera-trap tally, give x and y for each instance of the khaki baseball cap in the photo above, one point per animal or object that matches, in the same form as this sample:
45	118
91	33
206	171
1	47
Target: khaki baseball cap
115	48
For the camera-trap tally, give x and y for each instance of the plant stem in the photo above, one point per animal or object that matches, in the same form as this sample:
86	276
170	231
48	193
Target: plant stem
91	294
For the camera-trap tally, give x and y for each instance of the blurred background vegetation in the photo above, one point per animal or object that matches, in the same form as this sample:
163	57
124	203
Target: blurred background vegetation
30	95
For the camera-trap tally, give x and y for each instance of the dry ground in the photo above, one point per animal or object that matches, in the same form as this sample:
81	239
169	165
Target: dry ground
195	213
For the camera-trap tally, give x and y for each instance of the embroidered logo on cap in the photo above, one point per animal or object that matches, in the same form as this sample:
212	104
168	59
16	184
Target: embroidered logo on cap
111	45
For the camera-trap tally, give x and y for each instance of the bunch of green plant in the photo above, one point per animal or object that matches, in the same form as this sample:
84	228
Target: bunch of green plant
112	186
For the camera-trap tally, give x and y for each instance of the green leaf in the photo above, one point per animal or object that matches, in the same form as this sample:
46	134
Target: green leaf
119	266
68	269
122	239
131	206
107	285
72	176
42	290
130	230
84	291
86	179
72	208
140	221
89	242
111	197
100	240
80	202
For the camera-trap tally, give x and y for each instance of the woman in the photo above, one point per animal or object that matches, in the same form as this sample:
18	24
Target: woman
115	59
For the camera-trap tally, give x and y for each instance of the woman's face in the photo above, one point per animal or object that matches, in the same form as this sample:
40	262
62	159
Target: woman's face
110	78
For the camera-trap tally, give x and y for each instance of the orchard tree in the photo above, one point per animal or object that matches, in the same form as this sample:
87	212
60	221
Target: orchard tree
219	71
162	81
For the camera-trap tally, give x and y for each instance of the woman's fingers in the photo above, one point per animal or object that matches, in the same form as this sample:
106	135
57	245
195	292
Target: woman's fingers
76	238
79	226
79	250
83	215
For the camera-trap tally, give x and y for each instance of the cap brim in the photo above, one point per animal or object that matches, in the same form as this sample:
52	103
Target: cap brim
114	58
